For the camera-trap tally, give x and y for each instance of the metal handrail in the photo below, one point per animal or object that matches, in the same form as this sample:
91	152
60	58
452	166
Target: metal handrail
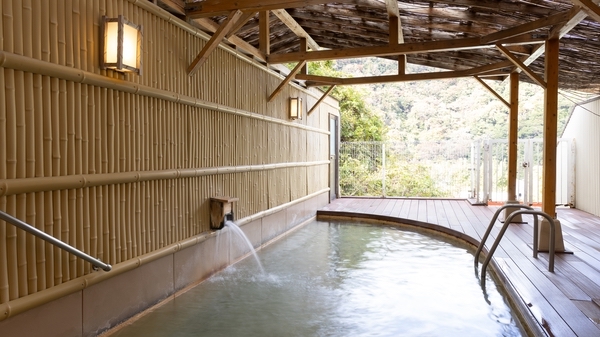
551	244
491	225
48	238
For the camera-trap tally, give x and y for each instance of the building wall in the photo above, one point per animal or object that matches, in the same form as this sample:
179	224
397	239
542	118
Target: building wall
582	127
122	166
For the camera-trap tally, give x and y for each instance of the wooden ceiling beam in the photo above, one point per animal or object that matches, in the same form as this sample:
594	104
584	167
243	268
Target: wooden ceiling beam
535	77
590	7
208	8
527	27
212	27
406	48
291	23
313	80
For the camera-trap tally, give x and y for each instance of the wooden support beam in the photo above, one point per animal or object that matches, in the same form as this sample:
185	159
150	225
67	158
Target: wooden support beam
590	7
550	128
576	16
513	136
289	21
320	99
400	49
487	70
303	46
527	27
240	22
401	64
537	79
289	77
208	8
212	27
264	39
214	41
396	34
494	92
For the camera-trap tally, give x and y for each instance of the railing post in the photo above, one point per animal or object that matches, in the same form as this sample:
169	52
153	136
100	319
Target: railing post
383	169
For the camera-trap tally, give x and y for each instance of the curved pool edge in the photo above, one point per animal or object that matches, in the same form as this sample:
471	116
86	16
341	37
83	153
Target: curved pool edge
526	318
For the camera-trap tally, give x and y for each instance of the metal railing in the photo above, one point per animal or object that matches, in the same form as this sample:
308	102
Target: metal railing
528	210
48	238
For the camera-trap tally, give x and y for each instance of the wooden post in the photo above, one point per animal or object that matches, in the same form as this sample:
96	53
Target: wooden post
264	43
513	136
513	124
550	128
550	135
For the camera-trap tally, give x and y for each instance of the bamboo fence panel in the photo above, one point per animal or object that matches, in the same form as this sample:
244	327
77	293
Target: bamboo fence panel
68	129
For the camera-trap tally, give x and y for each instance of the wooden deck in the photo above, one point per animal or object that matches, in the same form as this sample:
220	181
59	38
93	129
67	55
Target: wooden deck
563	303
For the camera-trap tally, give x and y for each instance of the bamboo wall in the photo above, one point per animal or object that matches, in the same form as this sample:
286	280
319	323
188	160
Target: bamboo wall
584	127
120	165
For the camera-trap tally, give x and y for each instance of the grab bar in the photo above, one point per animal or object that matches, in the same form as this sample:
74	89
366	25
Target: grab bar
491	225
535	239
32	230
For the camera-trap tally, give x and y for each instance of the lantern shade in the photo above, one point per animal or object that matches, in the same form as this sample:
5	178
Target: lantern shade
122	45
295	108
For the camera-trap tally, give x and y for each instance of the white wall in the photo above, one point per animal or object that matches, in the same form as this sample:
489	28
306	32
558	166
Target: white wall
584	128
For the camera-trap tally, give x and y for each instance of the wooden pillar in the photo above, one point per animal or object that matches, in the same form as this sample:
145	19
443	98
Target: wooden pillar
513	131
550	128
513	140
550	136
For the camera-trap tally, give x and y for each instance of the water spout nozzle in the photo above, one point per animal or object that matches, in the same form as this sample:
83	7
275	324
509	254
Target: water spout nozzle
221	210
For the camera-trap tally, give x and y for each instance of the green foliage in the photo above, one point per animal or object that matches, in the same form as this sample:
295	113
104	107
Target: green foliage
358	121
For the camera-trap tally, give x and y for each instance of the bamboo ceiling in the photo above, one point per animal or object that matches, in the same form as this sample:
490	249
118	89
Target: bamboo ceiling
485	38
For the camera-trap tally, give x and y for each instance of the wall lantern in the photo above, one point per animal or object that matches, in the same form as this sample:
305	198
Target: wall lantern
295	108
122	45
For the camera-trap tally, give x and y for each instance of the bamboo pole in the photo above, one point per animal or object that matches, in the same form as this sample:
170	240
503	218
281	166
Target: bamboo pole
38	136
48	166
11	172
4	279
30	198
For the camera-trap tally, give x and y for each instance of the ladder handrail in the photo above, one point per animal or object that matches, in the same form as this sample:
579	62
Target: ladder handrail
491	225
551	244
48	238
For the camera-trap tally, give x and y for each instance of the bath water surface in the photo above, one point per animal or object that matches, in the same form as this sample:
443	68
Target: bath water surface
339	279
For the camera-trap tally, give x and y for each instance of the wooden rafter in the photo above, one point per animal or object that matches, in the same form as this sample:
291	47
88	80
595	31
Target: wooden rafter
289	77
491	90
321	99
209	8
590	7
527	27
240	22
289	21
214	41
390	50
535	77
212	27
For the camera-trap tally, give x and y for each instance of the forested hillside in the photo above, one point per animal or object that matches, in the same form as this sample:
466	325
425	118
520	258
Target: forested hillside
453	109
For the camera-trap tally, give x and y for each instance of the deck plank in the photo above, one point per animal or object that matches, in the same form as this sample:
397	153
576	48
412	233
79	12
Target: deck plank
565	302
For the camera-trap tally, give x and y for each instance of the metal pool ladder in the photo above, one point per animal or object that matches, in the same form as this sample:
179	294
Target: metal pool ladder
48	238
527	210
